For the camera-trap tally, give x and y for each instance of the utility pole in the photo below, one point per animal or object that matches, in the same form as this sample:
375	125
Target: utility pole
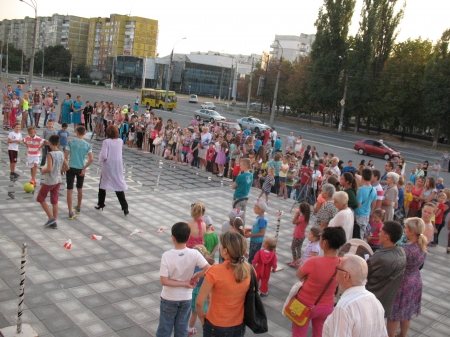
341	119
249	88
275	94
166	101
1	60
144	71
231	77
265	81
7	56
70	73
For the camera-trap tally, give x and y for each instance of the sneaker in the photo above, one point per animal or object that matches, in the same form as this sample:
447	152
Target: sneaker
72	216
54	226
77	209
16	175
50	222
264	294
32	182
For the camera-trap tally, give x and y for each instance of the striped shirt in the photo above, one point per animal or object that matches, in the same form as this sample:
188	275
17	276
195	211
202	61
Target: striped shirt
357	314
33	144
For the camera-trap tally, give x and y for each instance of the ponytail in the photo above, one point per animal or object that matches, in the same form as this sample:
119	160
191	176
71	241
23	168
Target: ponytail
305	209
417	226
236	246
423	242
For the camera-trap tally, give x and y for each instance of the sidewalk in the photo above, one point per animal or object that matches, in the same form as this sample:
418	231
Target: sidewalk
111	287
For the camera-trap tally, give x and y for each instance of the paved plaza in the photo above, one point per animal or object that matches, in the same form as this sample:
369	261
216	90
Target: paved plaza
111	287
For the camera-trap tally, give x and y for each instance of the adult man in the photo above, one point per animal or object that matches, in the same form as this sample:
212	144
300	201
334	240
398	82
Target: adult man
277	146
266	136
349	167
290	141
376	184
387	266
242	185
388	167
76	151
273	134
334	167
358	312
366	198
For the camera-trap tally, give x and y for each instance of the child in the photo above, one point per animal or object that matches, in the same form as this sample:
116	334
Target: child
14	139
211	239
312	248
284	168
186	147
221	158
256	174
14	110
192	330
25	106
177	280
265	260
276	165
52	111
236	168
258	231
373	237
269	181
132	128
195	145
301	220
408	197
238	226
140	131
439	222
7	106
290	178
63	135
210	157
48	132
227	225
56	164
34	144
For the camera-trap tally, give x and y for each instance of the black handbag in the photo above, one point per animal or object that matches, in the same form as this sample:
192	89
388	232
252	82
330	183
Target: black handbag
254	313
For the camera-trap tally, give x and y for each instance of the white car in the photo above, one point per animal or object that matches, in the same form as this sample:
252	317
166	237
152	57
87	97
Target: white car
209	105
193	99
209	115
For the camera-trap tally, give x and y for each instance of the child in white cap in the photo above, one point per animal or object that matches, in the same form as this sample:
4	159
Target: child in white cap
210	238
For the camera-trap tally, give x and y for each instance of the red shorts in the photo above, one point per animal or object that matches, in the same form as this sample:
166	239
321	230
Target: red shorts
45	189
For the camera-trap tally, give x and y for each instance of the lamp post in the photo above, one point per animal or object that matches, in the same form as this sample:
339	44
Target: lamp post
274	102
341	117
221	78
32	4
112	72
70	72
166	101
21	64
249	88
1	60
229	87
189	90
7	52
43	53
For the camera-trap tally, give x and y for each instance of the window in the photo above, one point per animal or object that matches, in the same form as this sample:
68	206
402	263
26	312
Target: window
369	142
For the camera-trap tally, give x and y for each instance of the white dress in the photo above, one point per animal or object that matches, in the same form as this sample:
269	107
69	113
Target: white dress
111	175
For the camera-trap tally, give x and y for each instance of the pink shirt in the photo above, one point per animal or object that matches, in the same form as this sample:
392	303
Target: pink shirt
299	230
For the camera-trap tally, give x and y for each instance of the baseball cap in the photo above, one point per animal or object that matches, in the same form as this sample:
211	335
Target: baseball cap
207	220
235	213
262	205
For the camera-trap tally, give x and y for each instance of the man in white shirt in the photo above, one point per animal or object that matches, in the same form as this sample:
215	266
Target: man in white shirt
273	135
358	312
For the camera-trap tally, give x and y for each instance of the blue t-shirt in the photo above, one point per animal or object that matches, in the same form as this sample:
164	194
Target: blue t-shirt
258	143
366	195
78	148
247	132
348	169
260	223
412	178
277	146
401	198
63	137
244	182
276	165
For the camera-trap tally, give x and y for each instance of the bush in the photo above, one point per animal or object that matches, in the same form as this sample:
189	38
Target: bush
64	79
132	87
101	84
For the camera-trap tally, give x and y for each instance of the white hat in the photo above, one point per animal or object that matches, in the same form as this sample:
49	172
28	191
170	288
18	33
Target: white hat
262	205
207	220
235	213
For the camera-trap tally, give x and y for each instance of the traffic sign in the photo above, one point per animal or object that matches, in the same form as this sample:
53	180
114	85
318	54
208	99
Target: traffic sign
342	102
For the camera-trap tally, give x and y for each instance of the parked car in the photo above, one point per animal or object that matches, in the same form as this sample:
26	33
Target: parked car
376	148
193	99
209	105
255	124
208	115
229	125
21	80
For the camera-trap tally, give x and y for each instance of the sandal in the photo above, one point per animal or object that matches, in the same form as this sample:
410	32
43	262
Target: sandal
192	331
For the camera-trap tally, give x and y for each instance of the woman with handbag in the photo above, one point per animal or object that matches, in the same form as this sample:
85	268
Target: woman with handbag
228	284
319	284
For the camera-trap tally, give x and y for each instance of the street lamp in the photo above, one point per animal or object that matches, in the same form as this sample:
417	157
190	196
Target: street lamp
112	71
166	101
221	78
274	102
249	88
231	78
43	53
189	90
32	4
341	117
7	52
70	71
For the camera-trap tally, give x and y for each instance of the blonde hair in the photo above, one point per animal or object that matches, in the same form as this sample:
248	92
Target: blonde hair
202	249
417	226
271	244
447	192
236	246
197	210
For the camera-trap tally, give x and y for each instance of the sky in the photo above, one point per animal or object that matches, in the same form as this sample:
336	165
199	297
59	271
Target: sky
233	26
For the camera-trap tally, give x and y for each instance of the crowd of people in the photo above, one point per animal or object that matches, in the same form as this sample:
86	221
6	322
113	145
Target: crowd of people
397	216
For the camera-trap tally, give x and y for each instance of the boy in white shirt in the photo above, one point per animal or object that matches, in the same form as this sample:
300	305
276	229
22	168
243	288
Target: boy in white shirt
178	280
14	139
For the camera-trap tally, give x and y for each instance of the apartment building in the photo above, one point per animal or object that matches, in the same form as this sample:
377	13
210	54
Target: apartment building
292	47
120	35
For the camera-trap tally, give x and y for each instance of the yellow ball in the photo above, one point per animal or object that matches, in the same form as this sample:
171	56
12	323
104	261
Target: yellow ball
28	187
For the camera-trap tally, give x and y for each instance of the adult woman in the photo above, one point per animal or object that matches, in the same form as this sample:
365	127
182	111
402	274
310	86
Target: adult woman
316	272
348	182
445	161
416	204
361	166
425	168
370	165
227	283
327	211
111	174
66	106
248	146
37	106
47	102
205	139
77	107
298	145
429	192
234	152
107	114
344	218
197	226
159	128
403	163
390	196
409	295
261	154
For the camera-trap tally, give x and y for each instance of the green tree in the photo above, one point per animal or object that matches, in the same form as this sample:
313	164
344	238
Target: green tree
56	61
331	42
436	86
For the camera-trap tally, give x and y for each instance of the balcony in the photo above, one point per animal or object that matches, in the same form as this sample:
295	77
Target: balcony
273	52
274	45
130	26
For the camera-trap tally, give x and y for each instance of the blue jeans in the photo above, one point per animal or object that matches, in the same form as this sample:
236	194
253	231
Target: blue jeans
254	248
210	330
46	117
173	315
30	114
46	149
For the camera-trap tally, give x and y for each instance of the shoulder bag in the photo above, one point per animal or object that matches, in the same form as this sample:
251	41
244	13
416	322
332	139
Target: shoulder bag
299	313
254	313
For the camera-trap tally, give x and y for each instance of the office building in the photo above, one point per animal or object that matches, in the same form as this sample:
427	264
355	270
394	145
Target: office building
292	47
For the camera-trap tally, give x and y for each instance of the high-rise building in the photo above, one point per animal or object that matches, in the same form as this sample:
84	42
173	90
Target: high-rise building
293	47
120	35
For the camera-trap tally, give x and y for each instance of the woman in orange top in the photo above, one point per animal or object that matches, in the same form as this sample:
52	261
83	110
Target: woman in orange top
227	283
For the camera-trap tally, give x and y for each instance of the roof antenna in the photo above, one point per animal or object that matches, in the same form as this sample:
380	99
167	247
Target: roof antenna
131	8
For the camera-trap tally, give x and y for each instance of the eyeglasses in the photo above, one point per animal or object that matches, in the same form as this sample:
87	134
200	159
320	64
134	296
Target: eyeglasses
337	268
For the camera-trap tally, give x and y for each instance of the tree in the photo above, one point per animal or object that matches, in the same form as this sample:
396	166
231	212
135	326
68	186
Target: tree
436	86
330	43
56	61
